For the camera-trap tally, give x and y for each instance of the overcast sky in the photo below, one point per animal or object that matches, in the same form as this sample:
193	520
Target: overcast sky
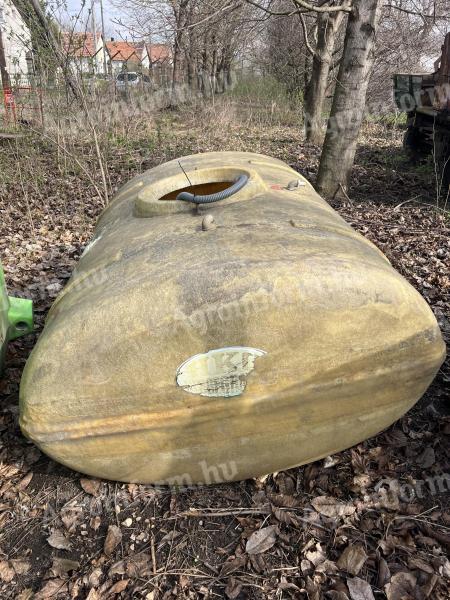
72	9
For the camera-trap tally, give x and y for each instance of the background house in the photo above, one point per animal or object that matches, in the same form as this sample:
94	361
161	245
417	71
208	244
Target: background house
125	55
159	54
160	60
16	42
85	51
137	56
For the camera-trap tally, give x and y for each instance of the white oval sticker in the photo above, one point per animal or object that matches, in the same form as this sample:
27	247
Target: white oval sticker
222	372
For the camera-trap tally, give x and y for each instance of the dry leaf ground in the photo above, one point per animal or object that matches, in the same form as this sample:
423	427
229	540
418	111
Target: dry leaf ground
370	522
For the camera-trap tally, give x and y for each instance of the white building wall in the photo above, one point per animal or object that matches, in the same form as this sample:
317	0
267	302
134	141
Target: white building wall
99	57
16	40
87	65
82	65
145	59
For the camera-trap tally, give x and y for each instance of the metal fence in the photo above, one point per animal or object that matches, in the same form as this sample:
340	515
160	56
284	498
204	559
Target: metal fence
28	97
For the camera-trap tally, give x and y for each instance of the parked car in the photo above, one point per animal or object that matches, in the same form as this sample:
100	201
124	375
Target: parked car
132	80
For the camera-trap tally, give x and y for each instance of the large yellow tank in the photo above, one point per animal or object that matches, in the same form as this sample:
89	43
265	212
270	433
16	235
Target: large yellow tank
247	336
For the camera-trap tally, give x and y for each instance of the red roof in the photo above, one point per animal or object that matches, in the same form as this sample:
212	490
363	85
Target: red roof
81	45
123	51
159	53
84	45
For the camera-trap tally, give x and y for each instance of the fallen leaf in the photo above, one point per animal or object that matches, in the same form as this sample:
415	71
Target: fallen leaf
313	589
384	573
361	482
94	577
286	586
317	556
331	507
20	566
233	588
25	482
429	586
327	566
440	536
118	568
415	562
32	455
61	566
284	500
139	565
337	595
169	537
95	522
71	516
258	562
90	486
352	559
396	438
306	566
360	589
58	540
76	586
285	516
260	541
330	461
113	539
6	571
118	587
185	582
401	586
232	565
52	589
427	458
26	594
445	569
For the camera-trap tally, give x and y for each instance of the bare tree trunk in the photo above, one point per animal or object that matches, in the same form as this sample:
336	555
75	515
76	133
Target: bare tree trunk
191	62
231	80
190	68
176	66
225	67
328	25
181	16
306	69
6	82
214	66
222	77
205	78
349	99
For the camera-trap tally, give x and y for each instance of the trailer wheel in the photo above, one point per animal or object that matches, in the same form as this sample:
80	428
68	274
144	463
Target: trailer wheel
414	144
442	161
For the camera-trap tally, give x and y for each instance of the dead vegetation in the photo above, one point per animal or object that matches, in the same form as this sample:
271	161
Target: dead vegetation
370	522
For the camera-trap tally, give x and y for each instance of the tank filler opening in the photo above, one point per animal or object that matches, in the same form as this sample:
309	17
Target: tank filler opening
209	192
202	189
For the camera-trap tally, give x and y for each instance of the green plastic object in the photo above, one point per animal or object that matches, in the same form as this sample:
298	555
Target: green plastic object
16	318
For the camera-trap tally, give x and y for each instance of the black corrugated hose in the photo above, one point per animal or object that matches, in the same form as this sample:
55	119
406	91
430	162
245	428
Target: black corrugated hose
207	199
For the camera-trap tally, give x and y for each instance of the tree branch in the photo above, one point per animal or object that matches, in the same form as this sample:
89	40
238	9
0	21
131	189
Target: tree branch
418	14
271	12
305	34
322	9
303	6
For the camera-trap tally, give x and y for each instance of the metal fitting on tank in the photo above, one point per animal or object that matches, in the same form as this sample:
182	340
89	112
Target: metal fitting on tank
296	183
208	222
